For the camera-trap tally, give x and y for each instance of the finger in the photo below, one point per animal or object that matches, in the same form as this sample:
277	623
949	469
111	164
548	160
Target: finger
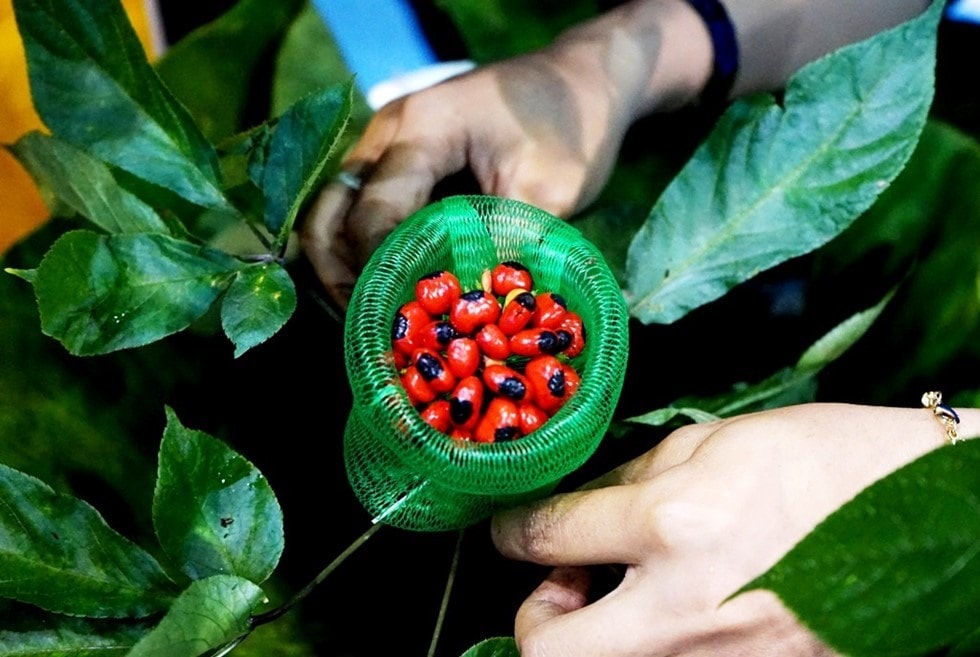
565	590
400	183
603	526
672	451
555	620
325	245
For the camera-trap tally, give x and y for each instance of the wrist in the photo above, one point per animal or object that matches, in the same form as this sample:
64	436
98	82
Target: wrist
651	55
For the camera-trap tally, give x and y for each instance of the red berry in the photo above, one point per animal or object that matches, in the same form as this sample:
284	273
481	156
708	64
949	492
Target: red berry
437	415
435	335
493	342
517	313
546	375
465	402
473	310
572	380
433	369
531	417
534	342
500	423
509	276
504	381
409	320
572	323
419	391
436	291
551	309
463	357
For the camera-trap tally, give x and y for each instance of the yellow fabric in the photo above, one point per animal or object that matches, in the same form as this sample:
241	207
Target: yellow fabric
21	207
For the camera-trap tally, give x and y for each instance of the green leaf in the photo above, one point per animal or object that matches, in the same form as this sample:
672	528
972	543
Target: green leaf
99	293
309	60
662	416
842	337
301	146
29	275
772	183
93	87
86	185
209	614
213	69
258	303
62	636
56	552
791	385
213	511
895	571
494	647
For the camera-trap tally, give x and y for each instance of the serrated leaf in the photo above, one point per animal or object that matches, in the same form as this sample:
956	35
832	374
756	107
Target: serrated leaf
258	303
56	552
93	87
212	69
86	185
302	144
494	647
209	614
771	183
895	571
62	636
100	293
213	511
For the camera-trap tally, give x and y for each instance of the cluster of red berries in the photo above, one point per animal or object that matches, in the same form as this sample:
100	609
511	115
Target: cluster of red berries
490	364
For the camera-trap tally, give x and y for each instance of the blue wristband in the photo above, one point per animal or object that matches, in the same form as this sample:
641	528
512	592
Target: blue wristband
725	45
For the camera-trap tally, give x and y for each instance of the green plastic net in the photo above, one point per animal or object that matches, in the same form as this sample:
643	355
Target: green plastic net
403	471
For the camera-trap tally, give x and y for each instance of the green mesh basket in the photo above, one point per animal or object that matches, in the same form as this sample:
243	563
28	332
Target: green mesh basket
408	474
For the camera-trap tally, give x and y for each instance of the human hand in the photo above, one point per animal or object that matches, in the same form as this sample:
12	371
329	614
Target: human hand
543	128
693	520
519	126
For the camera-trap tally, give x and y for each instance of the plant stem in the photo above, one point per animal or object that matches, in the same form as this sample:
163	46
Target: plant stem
231	645
273	614
445	596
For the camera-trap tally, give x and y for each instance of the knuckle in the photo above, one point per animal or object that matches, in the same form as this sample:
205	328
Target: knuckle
536	534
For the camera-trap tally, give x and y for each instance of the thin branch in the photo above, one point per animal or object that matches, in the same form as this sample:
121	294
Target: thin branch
437	631
273	614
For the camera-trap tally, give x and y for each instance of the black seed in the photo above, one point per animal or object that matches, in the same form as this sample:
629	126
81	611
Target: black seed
564	339
556	384
445	333
513	264
526	299
504	434
399	327
560	300
428	367
473	295
548	342
460	410
431	274
512	387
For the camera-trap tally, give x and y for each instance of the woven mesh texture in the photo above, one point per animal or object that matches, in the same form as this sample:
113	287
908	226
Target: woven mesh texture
403	471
